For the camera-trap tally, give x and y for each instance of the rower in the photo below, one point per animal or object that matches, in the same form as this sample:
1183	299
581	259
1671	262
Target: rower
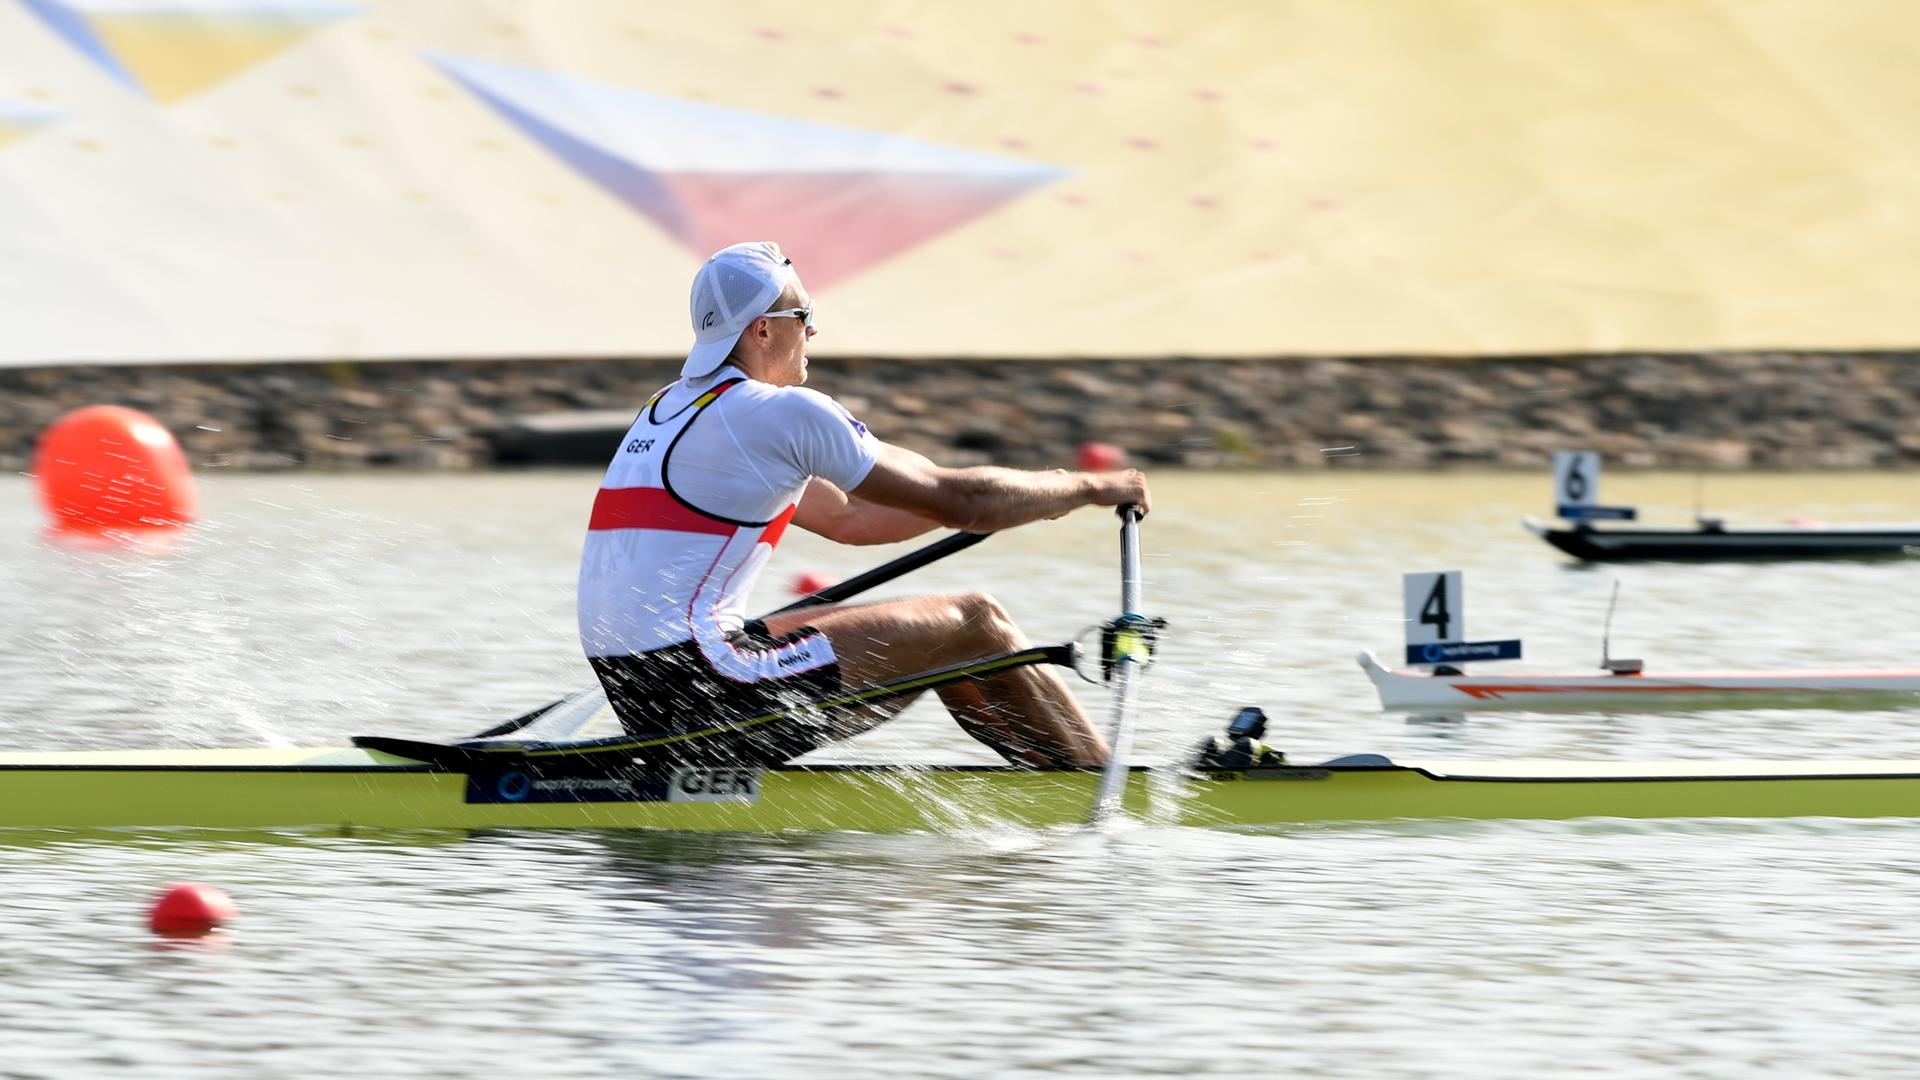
712	472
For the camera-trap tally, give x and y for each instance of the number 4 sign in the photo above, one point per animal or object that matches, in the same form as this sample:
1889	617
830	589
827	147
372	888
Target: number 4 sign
1436	608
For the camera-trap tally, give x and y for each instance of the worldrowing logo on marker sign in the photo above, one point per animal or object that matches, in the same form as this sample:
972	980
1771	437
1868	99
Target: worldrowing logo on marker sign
1597	513
1457	652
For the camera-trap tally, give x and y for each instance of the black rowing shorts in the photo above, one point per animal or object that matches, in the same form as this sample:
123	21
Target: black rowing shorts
701	717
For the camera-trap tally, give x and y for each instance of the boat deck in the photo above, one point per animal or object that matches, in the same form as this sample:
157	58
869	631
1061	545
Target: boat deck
338	786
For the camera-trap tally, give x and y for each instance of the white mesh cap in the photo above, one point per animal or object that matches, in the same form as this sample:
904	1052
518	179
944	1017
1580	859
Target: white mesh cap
736	286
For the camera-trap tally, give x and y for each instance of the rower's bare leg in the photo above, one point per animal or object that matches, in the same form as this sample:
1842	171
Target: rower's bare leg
979	717
1027	715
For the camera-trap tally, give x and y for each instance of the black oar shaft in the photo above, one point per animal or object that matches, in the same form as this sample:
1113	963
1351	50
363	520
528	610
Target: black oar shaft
885	572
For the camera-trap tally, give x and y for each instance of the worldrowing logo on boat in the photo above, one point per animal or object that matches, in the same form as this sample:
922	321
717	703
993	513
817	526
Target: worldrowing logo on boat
514	786
520	786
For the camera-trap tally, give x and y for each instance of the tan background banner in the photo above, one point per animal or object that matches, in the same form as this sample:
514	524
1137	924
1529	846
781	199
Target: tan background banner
311	179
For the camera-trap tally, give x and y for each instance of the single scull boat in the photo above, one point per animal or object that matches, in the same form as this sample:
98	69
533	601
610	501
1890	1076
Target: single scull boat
359	788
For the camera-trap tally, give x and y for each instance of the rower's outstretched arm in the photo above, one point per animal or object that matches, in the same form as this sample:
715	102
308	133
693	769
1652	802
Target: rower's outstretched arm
827	510
987	498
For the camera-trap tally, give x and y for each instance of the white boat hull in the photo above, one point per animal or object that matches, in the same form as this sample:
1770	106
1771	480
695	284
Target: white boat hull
1405	691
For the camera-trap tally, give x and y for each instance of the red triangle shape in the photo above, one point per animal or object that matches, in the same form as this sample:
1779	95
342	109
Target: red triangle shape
833	224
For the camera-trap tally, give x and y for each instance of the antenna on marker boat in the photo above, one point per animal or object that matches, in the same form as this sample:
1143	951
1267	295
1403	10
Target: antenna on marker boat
1607	662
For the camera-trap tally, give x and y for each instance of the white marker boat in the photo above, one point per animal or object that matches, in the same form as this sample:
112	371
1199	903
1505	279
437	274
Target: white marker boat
1634	690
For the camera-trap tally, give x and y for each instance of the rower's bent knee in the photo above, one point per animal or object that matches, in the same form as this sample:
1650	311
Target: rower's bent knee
983	616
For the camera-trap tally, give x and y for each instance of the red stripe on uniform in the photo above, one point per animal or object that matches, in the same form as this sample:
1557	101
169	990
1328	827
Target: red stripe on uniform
651	508
778	527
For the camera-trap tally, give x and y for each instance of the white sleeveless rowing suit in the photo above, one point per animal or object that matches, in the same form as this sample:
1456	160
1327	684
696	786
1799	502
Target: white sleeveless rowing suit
691	508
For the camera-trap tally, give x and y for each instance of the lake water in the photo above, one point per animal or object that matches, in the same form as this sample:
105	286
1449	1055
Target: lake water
309	607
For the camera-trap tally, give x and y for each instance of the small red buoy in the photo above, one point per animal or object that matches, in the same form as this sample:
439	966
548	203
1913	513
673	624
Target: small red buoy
808	582
190	910
1101	457
105	468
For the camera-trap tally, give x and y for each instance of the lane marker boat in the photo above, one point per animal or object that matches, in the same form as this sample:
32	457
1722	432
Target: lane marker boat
1576	480
1639	691
1712	539
1437	681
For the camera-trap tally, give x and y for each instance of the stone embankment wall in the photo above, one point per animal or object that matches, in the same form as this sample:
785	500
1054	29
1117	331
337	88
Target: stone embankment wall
1722	411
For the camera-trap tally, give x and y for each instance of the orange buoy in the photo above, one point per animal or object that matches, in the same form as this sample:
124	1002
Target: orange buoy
1101	457
190	910
808	582
105	468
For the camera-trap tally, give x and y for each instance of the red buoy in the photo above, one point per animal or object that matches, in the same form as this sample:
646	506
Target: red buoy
105	468
808	582
1101	457
190	910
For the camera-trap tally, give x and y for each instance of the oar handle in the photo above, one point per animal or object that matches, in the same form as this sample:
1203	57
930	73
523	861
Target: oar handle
1129	559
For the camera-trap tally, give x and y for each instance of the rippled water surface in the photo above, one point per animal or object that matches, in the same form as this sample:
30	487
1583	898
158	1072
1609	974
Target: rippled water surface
307	608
